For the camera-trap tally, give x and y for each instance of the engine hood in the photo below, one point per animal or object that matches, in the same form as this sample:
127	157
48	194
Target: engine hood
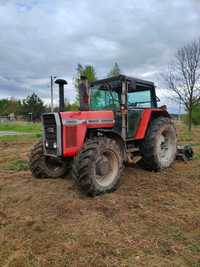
90	118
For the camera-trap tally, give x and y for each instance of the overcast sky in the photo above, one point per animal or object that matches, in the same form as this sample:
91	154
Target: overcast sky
44	37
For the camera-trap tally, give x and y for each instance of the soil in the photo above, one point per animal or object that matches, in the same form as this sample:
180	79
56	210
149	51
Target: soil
153	219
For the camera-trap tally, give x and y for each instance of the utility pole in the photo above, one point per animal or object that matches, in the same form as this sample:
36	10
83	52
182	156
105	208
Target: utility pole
52	81
51	93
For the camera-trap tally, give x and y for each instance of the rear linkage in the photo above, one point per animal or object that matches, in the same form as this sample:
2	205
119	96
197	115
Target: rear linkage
184	153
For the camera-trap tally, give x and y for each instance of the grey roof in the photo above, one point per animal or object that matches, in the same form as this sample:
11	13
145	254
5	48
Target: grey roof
123	78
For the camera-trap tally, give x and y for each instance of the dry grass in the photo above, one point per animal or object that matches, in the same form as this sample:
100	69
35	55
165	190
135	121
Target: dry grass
152	220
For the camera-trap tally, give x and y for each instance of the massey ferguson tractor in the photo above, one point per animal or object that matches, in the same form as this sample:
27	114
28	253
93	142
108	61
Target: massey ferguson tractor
122	122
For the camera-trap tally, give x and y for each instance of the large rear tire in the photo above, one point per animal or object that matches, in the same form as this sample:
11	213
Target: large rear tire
158	149
44	166
98	166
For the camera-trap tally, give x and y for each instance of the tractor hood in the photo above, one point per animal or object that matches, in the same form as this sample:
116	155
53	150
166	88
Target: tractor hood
75	125
92	119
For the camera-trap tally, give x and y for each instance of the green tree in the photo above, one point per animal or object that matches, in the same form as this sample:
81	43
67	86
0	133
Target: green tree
33	106
79	72
196	115
115	71
4	103
8	106
72	106
88	71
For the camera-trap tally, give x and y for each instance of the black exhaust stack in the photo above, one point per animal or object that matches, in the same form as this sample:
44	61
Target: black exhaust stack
83	93
61	84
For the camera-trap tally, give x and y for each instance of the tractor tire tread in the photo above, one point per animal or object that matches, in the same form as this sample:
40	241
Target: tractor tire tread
82	165
147	146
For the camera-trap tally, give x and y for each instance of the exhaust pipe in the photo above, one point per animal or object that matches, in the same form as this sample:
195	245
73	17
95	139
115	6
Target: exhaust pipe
84	98
61	83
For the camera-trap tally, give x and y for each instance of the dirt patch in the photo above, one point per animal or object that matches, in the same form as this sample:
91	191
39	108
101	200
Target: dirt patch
153	219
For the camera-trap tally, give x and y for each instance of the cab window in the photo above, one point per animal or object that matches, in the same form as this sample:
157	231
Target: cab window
103	98
140	98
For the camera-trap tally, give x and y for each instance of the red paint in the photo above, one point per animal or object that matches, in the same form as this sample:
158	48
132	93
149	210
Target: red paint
105	114
74	135
145	120
78	137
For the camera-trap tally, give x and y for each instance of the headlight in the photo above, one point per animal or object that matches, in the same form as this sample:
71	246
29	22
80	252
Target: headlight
54	145
46	144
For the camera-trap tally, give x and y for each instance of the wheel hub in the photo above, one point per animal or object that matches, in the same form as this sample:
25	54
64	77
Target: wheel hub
106	168
165	146
103	167
163	143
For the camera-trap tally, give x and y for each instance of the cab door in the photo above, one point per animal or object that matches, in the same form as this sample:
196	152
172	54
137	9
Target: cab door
133	120
137	100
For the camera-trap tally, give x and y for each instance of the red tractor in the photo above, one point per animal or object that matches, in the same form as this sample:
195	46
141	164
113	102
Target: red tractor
123	121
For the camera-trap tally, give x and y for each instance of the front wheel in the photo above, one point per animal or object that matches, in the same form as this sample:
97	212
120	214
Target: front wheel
46	166
98	167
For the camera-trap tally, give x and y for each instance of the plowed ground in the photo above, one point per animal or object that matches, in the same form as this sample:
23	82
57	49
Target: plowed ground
153	219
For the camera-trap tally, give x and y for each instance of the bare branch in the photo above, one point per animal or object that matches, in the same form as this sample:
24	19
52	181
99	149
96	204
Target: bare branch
183	75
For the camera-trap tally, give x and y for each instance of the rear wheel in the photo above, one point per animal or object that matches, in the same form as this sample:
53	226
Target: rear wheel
159	146
46	166
98	167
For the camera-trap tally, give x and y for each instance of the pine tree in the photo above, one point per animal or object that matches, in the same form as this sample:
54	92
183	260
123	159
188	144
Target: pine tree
115	71
33	105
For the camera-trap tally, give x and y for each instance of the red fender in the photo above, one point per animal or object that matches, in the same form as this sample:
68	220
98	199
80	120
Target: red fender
145	120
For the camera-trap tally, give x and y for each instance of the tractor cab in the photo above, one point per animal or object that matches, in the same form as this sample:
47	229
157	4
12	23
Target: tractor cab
127	97
115	92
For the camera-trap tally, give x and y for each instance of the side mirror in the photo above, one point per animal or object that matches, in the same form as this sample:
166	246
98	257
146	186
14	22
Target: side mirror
157	99
164	107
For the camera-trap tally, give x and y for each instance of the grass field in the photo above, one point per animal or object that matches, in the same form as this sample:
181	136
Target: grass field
153	219
25	131
27	127
26	137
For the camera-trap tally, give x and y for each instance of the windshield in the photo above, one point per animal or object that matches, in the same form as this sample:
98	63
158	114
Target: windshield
104	97
140	98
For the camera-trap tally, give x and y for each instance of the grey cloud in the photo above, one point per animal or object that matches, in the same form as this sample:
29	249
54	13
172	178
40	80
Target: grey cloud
50	37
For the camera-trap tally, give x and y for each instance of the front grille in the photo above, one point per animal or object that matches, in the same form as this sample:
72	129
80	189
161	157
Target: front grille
50	131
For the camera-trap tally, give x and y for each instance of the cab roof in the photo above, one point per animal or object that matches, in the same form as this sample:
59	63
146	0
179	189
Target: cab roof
122	77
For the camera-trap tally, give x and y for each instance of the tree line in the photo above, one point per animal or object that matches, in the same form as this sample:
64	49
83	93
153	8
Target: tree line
32	106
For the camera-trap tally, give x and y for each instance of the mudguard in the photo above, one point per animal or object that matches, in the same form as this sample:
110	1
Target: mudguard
145	119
